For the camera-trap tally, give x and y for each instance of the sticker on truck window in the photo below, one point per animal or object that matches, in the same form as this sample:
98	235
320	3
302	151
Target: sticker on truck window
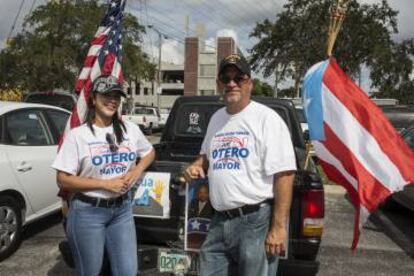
194	123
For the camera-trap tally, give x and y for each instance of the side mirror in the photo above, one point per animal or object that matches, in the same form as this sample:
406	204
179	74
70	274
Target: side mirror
306	135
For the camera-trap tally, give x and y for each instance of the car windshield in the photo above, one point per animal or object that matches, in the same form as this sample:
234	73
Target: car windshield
64	101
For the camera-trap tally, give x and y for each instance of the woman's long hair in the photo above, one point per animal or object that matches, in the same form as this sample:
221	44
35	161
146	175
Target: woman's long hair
118	125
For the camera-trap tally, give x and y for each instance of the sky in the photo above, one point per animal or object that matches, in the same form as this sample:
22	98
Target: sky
235	18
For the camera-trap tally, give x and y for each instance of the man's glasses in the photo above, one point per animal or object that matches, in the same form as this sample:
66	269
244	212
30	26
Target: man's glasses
113	147
239	79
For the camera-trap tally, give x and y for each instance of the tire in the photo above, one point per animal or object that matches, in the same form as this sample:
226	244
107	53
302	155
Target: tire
10	226
148	131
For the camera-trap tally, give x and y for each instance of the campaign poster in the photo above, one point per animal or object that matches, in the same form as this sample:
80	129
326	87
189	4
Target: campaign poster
152	196
198	214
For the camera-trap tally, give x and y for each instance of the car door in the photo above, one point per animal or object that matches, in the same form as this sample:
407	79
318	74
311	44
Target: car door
31	150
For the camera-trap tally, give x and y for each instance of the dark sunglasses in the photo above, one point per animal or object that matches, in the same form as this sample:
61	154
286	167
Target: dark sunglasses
113	147
239	79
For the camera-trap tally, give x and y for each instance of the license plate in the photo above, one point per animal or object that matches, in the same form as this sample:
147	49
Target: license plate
174	261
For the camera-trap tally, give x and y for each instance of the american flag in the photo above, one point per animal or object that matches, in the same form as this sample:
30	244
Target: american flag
357	146
104	58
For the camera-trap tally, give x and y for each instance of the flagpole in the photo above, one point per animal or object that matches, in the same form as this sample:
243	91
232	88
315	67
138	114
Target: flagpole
338	13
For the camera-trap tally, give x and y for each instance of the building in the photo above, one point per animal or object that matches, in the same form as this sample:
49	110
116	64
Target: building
197	76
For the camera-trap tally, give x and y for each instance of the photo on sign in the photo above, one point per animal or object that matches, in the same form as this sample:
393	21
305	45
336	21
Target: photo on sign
198	214
152	196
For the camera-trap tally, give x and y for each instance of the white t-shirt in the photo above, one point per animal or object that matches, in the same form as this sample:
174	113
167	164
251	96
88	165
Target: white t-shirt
244	151
89	155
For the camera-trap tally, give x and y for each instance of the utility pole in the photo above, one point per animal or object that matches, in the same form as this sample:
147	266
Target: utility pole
158	90
275	95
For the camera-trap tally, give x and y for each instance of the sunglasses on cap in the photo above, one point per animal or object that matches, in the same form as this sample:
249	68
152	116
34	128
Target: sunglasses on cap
113	147
239	79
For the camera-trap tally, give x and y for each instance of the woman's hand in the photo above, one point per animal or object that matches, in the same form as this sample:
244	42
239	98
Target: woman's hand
131	177
116	185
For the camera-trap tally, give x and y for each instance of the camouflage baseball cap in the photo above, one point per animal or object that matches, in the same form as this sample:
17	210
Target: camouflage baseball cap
106	84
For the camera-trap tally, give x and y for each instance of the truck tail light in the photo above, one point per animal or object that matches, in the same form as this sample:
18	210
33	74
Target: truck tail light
313	212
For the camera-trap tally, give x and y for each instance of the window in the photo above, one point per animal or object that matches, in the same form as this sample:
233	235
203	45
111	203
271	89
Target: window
194	119
65	101
59	119
145	90
207	70
27	128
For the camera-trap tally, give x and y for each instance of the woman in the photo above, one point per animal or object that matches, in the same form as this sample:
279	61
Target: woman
97	163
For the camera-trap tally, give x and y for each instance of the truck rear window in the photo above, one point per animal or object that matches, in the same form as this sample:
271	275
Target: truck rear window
194	119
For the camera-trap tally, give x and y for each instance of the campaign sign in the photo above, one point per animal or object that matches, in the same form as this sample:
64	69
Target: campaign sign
198	214
152	196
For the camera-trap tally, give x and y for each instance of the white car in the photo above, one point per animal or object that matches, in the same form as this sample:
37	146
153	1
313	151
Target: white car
29	135
164	113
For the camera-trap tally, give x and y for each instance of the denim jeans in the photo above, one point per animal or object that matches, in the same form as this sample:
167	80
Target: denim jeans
237	246
91	229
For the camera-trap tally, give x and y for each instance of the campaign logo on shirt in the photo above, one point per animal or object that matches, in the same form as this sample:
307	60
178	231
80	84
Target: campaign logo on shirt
228	149
111	163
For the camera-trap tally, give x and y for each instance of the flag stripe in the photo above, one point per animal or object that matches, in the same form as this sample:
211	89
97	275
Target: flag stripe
368	187
359	105
360	142
338	177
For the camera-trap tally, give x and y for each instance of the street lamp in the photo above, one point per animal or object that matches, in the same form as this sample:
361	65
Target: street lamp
160	36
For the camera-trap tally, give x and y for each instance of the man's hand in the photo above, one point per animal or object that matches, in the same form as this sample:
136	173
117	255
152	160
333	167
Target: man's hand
275	241
193	172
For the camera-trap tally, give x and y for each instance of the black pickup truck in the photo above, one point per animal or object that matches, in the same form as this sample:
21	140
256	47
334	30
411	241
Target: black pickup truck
180	144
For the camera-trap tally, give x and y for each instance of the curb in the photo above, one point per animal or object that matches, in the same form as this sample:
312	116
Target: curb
334	189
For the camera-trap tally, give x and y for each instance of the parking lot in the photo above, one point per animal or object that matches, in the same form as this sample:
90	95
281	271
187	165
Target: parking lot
386	246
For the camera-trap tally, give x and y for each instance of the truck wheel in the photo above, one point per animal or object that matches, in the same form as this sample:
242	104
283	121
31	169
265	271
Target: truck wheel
10	226
148	131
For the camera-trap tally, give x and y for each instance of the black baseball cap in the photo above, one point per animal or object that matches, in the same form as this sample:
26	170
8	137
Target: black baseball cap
106	84
236	60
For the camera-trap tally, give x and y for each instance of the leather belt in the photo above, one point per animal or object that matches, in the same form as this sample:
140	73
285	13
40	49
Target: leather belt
245	209
101	202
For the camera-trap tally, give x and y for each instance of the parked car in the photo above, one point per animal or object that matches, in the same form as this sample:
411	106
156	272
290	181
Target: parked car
64	100
300	112
29	135
164	112
400	116
406	196
147	118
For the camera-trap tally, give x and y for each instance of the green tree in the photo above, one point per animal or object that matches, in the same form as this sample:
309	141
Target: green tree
297	39
262	88
50	51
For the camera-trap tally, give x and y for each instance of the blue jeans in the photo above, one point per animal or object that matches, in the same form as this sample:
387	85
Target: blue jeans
92	229
237	246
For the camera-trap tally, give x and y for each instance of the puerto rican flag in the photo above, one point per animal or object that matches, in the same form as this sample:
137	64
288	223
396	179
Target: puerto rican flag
357	146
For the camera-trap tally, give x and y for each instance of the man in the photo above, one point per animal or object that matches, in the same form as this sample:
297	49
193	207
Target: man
250	160
201	207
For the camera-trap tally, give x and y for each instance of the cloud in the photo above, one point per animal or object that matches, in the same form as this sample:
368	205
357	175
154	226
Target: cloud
172	52
228	33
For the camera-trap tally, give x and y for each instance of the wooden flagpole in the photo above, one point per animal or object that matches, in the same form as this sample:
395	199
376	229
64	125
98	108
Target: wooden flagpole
338	13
